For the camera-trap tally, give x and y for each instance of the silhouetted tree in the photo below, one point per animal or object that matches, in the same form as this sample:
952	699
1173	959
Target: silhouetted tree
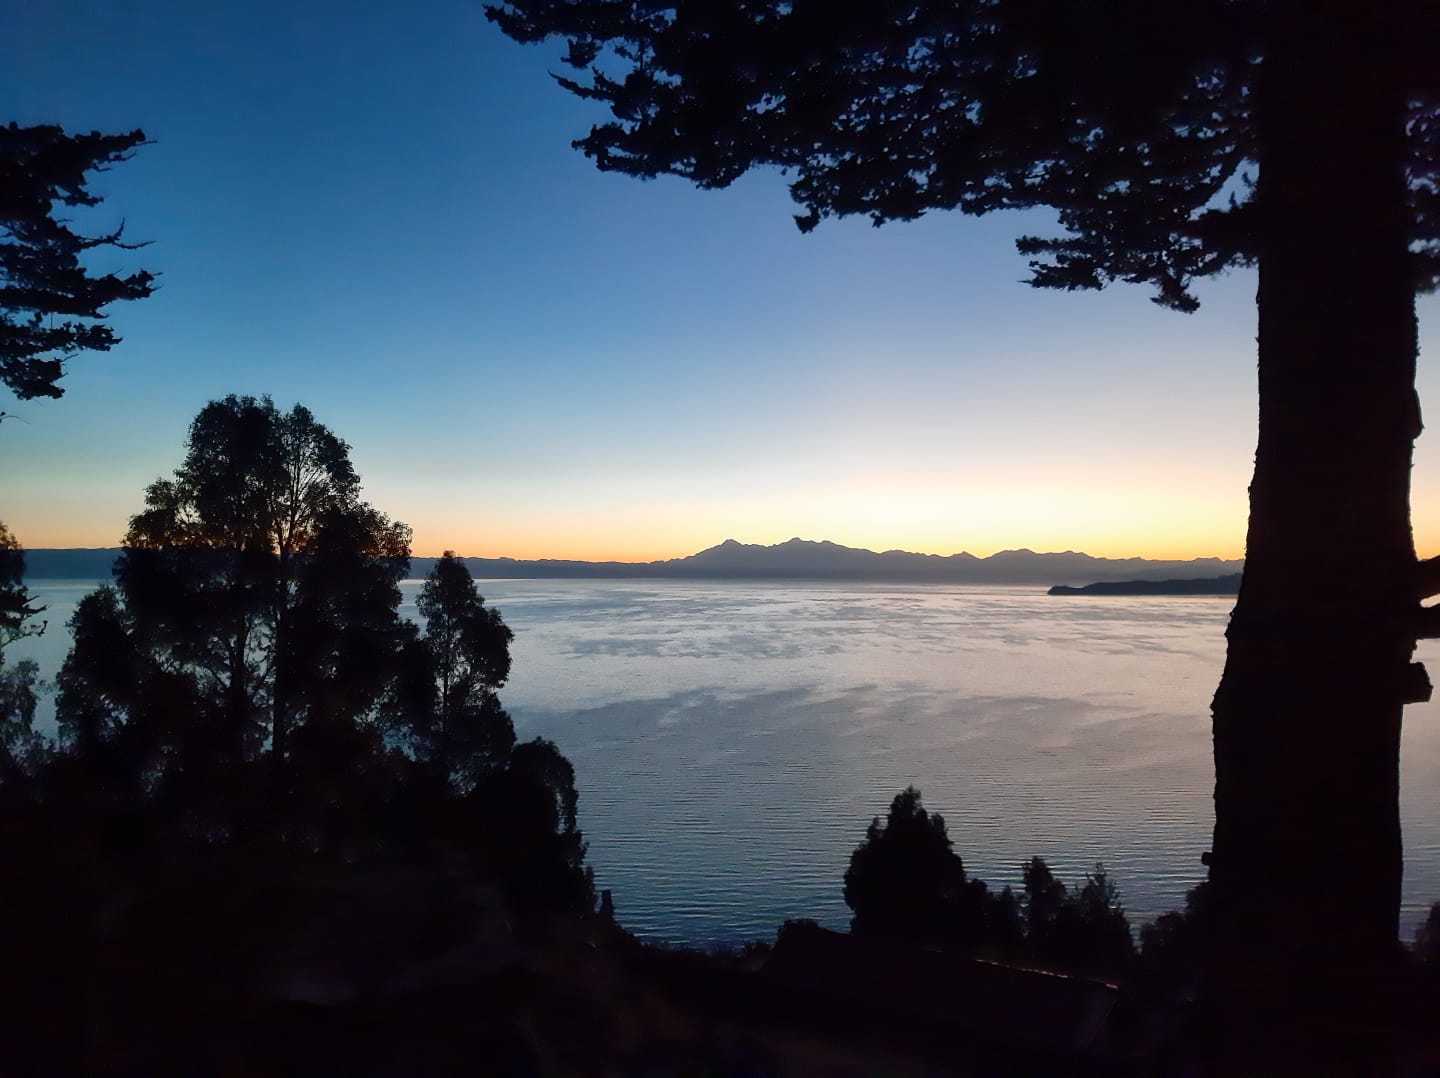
1092	936
1175	140
1004	927
150	883
1174	946
103	679
1045	898
522	818
20	746
17	608
468	646
904	880
256	594
1082	931
42	273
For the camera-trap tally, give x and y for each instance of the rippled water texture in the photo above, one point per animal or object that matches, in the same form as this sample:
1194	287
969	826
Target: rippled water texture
732	740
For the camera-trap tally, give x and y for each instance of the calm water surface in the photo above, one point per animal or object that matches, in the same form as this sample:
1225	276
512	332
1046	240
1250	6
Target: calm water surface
732	740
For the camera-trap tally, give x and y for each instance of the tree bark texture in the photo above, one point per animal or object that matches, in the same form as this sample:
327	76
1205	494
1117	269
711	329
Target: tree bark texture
1307	861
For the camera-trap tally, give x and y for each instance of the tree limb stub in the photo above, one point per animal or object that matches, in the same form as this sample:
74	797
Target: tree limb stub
1427	578
1427	623
1417	686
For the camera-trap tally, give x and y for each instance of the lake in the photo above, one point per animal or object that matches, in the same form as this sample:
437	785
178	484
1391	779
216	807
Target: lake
732	740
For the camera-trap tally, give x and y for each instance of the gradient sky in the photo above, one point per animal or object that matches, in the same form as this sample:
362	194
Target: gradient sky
373	209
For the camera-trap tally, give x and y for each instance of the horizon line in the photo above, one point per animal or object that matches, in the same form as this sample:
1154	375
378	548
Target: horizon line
795	539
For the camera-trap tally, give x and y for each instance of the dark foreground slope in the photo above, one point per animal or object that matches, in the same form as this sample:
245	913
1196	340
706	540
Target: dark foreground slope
409	972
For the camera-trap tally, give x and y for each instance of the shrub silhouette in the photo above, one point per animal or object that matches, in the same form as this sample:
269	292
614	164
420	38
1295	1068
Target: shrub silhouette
904	879
905	882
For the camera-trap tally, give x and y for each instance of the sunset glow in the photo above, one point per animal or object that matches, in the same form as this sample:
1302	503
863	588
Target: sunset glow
531	359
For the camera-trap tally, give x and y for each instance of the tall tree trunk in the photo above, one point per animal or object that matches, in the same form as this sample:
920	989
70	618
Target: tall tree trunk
1306	864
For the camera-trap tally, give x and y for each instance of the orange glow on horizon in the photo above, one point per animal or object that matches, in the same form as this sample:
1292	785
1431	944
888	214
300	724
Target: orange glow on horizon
639	552
1429	547
614	544
645	553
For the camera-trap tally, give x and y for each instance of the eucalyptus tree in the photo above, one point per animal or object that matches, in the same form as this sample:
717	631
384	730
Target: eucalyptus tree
258	578
51	305
468	647
512	806
1175	141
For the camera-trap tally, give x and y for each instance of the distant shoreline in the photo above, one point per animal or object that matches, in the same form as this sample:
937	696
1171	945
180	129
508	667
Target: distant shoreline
1220	585
797	559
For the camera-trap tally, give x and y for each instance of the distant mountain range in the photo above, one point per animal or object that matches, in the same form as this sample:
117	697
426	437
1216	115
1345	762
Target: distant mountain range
797	559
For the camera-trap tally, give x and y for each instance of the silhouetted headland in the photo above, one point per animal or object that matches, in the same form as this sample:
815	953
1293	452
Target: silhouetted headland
796	559
1220	585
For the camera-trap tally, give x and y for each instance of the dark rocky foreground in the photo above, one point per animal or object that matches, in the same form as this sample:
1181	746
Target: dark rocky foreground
423	971
377	973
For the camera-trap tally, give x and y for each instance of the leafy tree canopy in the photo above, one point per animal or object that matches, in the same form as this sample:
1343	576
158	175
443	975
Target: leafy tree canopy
904	877
248	676
51	306
1135	121
905	882
467	648
21	747
470	642
17	609
256	594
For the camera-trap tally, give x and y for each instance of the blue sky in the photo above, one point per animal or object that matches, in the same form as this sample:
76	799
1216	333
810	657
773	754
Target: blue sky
374	209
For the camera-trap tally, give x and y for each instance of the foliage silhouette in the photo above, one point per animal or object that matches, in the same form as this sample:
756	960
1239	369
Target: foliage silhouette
1091	935
239	757
539	853
1139	135
1081	931
248	675
258	579
1174	141
42	271
1173	947
1045	898
17	609
468	649
21	748
905	882
904	879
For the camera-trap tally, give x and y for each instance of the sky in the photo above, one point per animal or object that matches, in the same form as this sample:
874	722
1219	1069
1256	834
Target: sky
374	210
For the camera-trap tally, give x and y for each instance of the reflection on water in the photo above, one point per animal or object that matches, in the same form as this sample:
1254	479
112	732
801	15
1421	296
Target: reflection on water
731	740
